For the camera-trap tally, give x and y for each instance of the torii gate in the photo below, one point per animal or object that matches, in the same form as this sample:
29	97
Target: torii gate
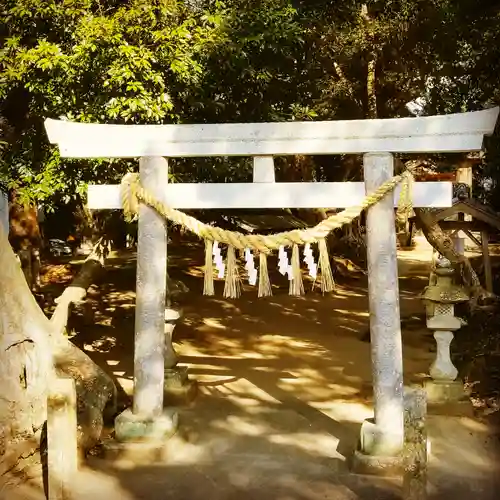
377	139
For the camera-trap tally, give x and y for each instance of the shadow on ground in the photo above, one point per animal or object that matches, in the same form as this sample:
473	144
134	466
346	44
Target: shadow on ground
285	383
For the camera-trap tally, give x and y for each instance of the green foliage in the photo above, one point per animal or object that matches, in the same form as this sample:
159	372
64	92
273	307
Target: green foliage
168	61
254	72
75	59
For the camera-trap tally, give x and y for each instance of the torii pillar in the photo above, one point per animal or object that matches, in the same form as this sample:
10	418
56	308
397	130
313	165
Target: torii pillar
385	324
148	418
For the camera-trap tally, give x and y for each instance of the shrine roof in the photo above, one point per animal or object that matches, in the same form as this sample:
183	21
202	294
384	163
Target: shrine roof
253	221
475	208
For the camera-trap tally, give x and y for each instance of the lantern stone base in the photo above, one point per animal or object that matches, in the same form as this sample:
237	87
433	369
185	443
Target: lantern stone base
444	392
179	390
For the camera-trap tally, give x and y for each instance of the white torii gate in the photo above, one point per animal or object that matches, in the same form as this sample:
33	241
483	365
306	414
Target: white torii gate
377	139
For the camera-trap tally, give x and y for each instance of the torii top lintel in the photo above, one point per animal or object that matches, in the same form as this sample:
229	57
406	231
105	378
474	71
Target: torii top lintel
459	132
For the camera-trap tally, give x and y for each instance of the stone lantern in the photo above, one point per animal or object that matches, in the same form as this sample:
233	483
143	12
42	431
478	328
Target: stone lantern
440	298
179	389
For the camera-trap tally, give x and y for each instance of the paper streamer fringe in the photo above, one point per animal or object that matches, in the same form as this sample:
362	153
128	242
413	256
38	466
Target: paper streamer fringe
327	282
208	282
296	284
265	289
232	288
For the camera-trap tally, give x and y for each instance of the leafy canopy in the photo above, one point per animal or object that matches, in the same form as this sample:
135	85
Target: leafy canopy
167	61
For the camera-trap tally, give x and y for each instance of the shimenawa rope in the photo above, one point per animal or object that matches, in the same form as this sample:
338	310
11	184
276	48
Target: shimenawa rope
132	194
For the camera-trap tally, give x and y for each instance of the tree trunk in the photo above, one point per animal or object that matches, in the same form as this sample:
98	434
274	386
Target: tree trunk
26	361
77	291
25	238
96	391
371	74
32	352
371	87
300	168
443	243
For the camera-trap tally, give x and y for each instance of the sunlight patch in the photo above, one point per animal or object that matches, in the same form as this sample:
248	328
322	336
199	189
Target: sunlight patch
474	425
214	323
238	425
352	313
315	444
349	293
345	411
126	384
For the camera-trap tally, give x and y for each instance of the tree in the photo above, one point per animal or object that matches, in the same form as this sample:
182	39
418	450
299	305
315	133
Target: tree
33	351
25	365
166	61
87	61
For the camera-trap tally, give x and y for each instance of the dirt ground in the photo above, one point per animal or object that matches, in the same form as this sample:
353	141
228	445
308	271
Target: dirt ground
285	384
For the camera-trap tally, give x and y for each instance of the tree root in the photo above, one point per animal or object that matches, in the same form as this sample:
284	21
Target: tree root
95	390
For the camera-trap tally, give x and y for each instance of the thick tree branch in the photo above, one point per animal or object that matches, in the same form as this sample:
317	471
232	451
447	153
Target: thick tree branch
371	78
345	81
77	291
443	243
371	88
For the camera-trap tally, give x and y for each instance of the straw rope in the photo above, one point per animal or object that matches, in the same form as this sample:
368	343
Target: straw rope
132	193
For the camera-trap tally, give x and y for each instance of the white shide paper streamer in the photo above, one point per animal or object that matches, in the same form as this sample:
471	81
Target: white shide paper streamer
284	266
219	263
309	260
250	267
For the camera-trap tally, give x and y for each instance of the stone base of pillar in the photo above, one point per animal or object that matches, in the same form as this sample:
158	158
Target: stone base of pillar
371	442
369	459
142	441
372	465
411	460
131	428
179	389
